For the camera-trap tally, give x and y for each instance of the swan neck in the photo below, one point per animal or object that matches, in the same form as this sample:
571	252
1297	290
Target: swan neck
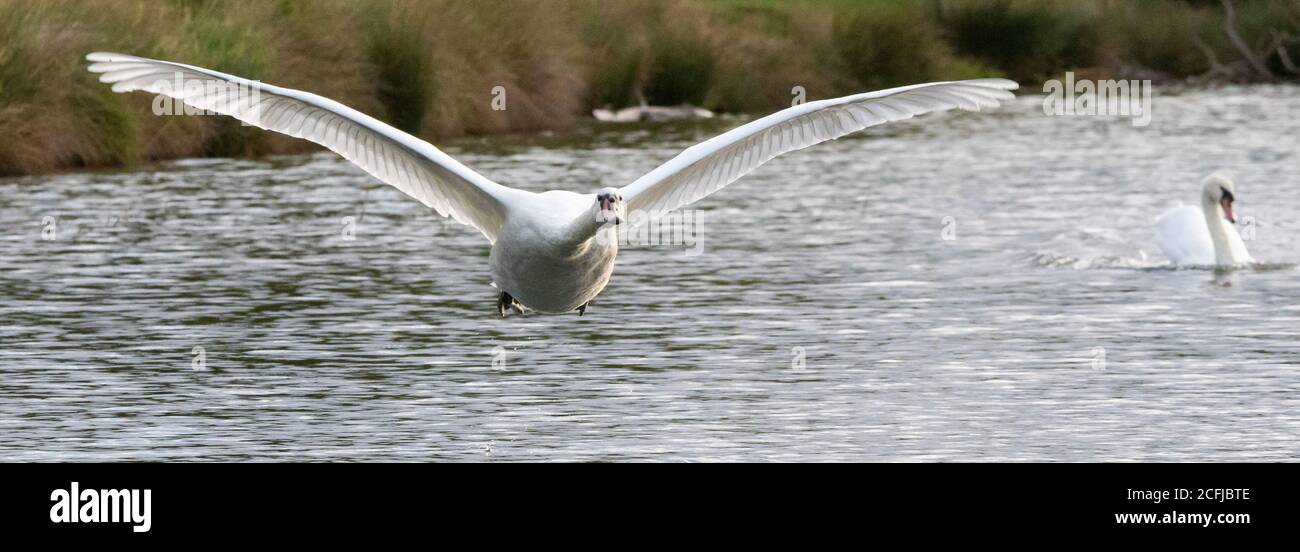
1218	226
585	227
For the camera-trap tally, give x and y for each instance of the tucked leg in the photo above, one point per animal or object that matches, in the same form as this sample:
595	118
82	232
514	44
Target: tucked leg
503	302
583	308
507	303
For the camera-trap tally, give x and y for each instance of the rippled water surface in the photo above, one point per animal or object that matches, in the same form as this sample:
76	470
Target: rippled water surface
826	317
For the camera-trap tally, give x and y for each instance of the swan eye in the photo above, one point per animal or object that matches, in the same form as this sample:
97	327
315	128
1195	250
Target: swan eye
1226	194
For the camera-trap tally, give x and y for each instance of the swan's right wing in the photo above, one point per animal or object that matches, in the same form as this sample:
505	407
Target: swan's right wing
1184	238
708	166
394	157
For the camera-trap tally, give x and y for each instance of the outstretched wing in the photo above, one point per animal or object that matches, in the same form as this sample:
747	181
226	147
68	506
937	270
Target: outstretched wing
708	166
394	157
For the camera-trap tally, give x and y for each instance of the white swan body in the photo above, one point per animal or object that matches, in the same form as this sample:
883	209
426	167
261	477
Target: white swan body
553	251
1204	236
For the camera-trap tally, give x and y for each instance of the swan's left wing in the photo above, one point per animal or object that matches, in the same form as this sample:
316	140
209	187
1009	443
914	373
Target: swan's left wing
708	166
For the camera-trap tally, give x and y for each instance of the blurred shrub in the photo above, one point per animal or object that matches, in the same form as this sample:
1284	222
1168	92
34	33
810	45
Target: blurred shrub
1170	47
1027	40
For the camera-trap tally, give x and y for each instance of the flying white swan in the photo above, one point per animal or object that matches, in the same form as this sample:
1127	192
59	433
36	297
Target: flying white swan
554	251
1192	236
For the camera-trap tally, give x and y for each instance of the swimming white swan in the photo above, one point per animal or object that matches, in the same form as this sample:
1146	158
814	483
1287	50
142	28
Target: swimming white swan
1192	236
554	251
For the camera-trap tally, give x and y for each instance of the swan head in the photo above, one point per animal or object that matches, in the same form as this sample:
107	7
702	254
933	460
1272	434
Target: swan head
610	206
1218	189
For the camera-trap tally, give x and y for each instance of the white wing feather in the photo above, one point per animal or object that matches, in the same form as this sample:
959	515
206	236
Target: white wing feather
1184	238
708	166
394	157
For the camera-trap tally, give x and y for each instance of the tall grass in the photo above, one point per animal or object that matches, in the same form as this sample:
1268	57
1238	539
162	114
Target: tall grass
891	44
404	66
429	67
662	52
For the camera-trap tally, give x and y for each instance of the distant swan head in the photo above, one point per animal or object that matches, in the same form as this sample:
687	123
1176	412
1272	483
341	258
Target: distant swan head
610	206
1217	196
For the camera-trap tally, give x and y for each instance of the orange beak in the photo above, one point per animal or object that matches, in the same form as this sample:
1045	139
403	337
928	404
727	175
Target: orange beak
1226	203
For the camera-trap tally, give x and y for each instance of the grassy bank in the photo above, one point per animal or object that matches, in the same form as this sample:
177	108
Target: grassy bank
428	67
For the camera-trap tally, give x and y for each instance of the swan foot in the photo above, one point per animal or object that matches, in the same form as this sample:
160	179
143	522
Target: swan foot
583	309
507	303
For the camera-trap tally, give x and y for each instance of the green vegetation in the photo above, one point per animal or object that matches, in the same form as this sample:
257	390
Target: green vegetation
428	66
1026	40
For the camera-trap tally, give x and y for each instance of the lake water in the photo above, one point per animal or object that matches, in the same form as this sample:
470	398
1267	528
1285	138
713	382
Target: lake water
217	309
